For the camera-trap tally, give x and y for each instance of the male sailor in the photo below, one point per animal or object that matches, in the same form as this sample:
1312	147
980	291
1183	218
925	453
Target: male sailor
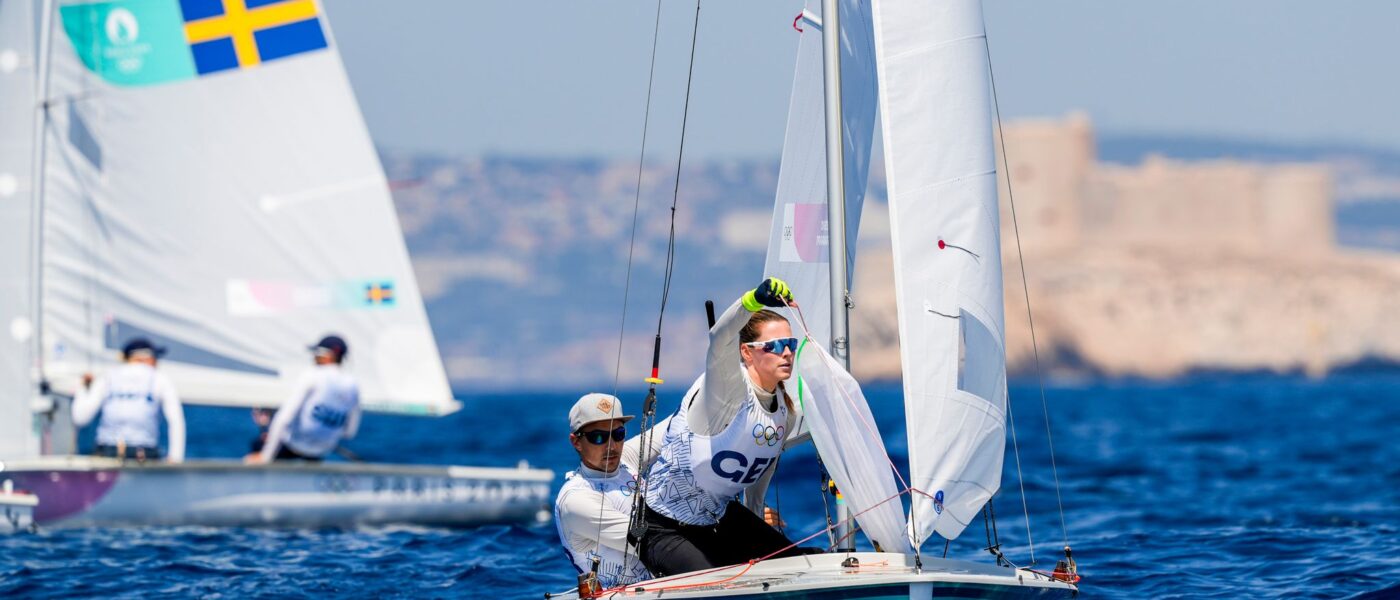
132	398
593	507
324	409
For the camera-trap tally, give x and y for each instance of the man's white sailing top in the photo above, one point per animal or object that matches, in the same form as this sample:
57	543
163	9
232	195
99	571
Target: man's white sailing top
132	398
324	409
595	506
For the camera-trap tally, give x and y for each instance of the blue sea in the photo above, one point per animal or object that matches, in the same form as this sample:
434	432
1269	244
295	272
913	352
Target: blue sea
1202	488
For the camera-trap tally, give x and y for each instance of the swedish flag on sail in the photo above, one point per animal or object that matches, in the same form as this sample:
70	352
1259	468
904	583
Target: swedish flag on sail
233	34
145	42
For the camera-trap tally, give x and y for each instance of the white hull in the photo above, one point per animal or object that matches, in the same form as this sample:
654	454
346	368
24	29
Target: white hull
878	576
79	491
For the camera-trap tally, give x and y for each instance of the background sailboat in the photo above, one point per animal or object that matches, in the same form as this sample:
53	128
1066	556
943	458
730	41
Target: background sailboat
203	177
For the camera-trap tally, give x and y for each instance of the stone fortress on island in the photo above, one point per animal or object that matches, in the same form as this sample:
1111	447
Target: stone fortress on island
1163	268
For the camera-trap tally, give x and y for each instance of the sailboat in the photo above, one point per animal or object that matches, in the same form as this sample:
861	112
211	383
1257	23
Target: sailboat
200	175
926	67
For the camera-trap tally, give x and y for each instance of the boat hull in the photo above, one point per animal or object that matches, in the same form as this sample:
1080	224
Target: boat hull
878	576
87	492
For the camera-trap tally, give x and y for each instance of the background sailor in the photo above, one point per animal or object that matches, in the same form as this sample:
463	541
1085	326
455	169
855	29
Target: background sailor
132	398
324	409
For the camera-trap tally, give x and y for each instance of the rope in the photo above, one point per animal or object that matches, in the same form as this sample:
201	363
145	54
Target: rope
637	523
631	246
637	198
1020	479
1025	288
680	156
826	490
806	334
802	322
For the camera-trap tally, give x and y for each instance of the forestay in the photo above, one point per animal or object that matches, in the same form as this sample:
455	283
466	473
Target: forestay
211	184
798	243
940	168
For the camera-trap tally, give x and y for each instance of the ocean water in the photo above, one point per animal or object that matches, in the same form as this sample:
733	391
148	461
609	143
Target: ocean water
1205	488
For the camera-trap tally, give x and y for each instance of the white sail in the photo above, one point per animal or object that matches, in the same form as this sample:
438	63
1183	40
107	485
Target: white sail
211	184
16	132
851	447
798	243
935	105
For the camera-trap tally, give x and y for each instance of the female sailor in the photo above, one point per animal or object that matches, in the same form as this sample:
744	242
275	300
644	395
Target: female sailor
724	441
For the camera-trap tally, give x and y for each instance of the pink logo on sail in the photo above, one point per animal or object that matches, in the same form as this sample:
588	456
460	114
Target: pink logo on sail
804	233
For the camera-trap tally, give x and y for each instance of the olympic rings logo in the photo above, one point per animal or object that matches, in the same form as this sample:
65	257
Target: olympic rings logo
767	435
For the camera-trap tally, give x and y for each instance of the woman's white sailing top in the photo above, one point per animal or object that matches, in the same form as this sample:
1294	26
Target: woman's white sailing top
595	506
725	438
132	398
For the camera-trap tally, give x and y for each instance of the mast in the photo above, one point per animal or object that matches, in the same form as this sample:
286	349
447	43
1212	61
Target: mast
36	199
836	216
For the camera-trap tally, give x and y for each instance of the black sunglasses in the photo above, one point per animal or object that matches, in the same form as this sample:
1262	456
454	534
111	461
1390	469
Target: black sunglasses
598	437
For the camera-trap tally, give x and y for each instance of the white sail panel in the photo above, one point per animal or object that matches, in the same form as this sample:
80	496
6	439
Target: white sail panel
223	198
936	110
798	250
16	149
850	445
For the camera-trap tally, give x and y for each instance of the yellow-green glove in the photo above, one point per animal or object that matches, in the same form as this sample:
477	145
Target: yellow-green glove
772	292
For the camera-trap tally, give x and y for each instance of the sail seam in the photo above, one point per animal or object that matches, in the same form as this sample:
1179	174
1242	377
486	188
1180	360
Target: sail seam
923	49
945	182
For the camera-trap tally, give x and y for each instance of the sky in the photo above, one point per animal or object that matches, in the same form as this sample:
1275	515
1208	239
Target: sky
537	78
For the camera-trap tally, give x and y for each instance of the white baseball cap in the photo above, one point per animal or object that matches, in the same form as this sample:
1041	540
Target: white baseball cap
592	408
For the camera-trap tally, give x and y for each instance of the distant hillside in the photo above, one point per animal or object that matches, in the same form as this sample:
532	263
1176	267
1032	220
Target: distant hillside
523	261
1126	149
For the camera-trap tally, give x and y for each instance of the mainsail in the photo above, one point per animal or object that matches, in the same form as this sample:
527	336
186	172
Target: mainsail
798	243
16	131
941	172
211	184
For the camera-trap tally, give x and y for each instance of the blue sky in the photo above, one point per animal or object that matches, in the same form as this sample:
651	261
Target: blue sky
570	78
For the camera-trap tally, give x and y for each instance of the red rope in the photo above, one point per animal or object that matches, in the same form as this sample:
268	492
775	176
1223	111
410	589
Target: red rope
1057	578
